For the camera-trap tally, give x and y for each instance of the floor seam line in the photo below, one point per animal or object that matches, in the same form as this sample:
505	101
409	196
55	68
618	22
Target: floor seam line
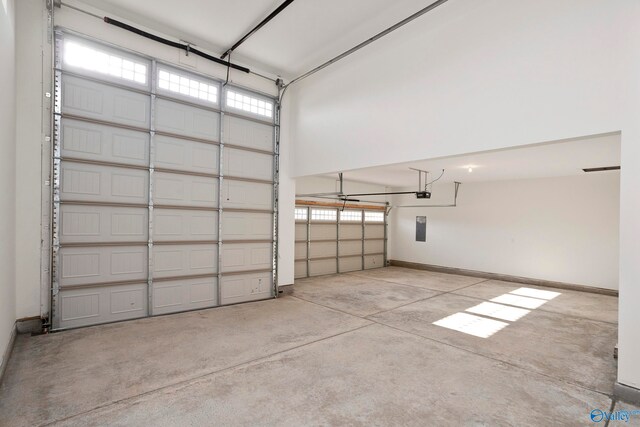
200	377
496	360
330	308
406	284
420	300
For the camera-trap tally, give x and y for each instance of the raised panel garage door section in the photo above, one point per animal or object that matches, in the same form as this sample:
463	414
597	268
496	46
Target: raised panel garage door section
332	240
163	188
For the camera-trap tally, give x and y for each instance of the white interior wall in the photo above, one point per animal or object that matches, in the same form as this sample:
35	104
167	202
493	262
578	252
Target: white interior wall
474	76
562	229
7	174
29	138
468	77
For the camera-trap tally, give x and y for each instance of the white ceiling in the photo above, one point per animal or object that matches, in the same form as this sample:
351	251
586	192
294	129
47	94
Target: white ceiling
306	34
562	158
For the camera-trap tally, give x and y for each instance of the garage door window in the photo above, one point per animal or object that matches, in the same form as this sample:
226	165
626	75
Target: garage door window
98	61
324	215
249	104
184	85
374	216
351	216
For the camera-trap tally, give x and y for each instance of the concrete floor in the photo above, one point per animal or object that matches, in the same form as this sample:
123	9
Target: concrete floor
356	349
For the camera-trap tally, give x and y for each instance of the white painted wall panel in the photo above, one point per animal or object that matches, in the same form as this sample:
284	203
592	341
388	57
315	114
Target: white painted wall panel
246	226
102	264
182	119
89	223
95	183
180	224
81	307
249	287
176	189
247	195
185	155
184	294
184	260
246	256
90	141
247	133
248	164
103	102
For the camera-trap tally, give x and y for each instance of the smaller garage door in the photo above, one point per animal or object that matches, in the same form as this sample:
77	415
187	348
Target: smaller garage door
331	240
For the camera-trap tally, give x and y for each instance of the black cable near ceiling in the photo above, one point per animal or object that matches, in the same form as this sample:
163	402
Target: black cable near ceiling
257	27
185	47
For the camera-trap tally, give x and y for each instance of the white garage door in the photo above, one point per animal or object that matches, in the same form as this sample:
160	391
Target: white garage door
331	240
163	188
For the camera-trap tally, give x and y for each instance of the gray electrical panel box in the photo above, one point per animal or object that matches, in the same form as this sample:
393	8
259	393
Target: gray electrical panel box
421	229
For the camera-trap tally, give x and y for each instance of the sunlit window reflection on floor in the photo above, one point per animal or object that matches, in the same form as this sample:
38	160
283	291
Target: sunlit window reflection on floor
535	293
512	306
519	301
498	311
472	325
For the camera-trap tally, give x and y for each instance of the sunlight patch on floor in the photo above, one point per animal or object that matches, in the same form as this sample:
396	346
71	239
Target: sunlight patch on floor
510	307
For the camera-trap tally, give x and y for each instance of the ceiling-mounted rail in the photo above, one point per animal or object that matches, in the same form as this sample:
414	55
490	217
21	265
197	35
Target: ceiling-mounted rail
256	28
369	41
452	205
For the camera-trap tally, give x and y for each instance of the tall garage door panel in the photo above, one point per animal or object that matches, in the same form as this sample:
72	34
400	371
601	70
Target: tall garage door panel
246	257
184	260
186	294
184	225
103	102
248	134
248	164
152	214
175	189
91	141
246	226
185	155
246	287
102	264
103	224
247	195
95	183
181	119
84	306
